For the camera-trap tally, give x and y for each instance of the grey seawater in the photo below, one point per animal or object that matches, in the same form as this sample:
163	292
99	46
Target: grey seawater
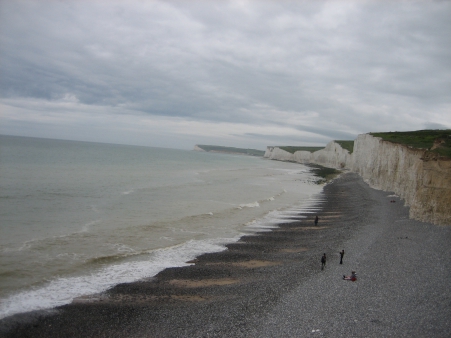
78	217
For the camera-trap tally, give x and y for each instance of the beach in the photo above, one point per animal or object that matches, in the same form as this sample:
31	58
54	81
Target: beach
271	284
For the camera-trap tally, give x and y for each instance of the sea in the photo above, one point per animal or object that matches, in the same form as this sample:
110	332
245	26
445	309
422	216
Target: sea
77	218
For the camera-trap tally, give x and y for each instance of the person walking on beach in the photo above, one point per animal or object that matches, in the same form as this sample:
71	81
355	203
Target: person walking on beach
342	253
316	220
323	262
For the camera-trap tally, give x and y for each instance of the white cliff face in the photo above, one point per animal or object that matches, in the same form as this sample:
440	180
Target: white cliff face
333	155
303	157
386	166
424	182
422	179
275	153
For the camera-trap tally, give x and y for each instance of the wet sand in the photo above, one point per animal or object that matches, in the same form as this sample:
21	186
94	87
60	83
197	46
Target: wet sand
271	285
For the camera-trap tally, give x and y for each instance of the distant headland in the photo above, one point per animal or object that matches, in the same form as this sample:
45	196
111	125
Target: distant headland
228	150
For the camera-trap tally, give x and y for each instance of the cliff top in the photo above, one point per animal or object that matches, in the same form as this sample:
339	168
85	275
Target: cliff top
438	141
293	149
347	145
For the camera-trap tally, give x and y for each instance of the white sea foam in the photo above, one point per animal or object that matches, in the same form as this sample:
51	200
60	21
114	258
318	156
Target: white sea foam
258	225
166	238
123	248
72	256
62	291
249	205
275	217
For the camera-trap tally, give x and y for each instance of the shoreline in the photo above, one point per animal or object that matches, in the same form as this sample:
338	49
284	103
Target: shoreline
271	284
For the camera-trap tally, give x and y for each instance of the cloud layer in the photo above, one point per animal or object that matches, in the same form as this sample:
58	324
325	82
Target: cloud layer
237	73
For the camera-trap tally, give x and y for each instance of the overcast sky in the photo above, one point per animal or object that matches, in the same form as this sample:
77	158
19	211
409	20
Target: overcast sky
235	73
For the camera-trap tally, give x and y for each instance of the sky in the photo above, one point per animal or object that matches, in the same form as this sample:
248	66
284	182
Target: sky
246	74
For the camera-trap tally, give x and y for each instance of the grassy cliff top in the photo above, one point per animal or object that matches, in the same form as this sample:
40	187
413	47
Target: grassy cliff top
345	144
421	139
253	152
292	149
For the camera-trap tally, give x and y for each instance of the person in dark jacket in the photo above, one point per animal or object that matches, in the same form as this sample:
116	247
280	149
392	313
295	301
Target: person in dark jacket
342	253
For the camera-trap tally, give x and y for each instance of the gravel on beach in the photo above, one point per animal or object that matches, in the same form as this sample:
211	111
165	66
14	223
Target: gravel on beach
272	285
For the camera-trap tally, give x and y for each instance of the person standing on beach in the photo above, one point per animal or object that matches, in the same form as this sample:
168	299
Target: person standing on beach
316	220
323	262
342	253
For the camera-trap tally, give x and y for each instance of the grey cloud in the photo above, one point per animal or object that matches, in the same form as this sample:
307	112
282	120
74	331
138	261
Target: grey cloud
435	126
329	133
355	65
283	140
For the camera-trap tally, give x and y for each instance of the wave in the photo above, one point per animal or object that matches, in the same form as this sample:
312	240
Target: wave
249	205
128	264
120	255
57	240
63	290
6	249
256	204
86	227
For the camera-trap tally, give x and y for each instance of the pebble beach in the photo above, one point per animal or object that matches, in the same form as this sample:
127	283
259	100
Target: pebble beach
271	284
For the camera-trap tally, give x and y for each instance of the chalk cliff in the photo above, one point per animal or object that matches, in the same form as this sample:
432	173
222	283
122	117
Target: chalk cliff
275	153
333	155
421	178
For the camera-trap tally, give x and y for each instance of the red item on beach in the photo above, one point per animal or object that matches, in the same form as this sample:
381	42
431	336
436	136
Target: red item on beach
352	278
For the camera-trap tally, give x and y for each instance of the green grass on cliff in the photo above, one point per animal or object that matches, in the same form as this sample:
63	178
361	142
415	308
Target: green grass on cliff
292	149
421	139
347	145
